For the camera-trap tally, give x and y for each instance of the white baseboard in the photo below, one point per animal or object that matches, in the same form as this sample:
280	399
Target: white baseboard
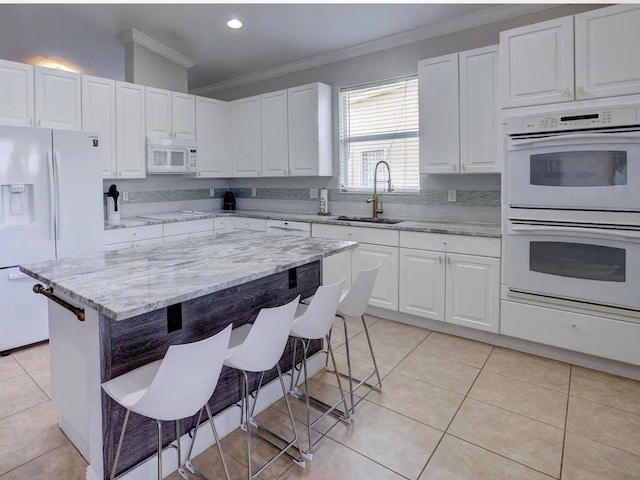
226	422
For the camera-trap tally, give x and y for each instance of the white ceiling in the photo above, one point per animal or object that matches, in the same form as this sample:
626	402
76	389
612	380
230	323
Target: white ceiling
273	34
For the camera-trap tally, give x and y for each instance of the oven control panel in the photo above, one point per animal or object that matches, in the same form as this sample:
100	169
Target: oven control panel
609	117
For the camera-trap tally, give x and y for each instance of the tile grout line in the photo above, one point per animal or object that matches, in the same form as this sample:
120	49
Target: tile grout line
455	414
35	458
566	421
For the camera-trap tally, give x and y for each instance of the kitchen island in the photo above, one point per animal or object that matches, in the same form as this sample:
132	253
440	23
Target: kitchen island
139	301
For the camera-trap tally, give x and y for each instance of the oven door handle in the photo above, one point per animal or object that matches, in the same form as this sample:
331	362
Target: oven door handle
558	139
580	231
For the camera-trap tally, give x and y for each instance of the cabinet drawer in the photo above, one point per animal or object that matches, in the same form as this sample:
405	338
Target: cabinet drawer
465	244
286	226
222	223
192	226
357	234
614	339
257	224
188	236
120	235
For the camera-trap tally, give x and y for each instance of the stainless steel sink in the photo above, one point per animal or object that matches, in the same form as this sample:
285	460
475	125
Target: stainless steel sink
387	221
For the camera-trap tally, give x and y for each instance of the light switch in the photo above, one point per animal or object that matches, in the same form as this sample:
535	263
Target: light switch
452	195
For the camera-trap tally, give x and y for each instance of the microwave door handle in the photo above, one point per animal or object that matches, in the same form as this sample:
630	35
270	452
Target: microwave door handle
580	231
555	139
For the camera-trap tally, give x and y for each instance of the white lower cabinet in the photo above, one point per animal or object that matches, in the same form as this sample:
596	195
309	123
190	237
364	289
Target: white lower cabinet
473	291
451	287
385	290
422	283
336	267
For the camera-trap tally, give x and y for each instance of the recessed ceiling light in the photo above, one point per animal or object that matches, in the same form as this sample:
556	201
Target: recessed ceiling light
234	23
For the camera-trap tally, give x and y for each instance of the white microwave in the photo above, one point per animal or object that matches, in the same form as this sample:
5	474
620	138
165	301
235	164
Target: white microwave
165	155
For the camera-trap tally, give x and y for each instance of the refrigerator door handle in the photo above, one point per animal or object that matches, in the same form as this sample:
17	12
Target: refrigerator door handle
52	197
58	170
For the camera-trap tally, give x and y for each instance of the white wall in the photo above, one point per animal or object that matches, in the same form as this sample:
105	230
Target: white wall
54	31
146	67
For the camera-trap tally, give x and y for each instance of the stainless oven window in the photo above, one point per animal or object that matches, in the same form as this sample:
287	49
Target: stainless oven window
579	169
578	260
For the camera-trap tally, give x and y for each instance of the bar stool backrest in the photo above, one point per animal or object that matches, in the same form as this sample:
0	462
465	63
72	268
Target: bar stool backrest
356	301
265	343
318	317
186	379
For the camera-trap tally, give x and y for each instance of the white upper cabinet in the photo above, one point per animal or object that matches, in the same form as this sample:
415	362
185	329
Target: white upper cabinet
183	116
439	120
604	43
16	93
158	113
213	119
130	130
246	132
170	114
58	99
537	63
275	146
99	116
607	52
310	131
479	83
458	112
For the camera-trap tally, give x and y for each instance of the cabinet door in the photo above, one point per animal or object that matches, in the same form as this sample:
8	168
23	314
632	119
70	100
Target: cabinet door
158	112
16	93
385	290
130	130
246	131
439	120
473	291
275	147
607	52
99	116
212	133
183	113
57	99
336	267
303	129
537	63
422	276
479	110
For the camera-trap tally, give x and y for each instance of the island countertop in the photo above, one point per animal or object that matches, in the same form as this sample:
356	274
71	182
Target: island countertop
125	283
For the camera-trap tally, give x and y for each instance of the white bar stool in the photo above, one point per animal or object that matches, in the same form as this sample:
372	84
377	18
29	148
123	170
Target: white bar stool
353	304
257	348
313	322
176	387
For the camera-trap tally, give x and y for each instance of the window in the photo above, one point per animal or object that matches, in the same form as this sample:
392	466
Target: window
379	121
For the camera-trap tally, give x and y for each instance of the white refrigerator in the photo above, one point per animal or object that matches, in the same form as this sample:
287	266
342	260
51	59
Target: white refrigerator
51	206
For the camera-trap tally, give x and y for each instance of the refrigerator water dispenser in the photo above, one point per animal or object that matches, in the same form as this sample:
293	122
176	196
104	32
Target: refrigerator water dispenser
17	204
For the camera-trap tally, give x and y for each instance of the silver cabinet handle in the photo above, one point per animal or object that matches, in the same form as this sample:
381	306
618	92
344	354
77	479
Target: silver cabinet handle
439	259
449	260
567	92
455	168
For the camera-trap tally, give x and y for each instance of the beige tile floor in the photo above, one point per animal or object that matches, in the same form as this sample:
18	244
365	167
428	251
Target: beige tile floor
451	409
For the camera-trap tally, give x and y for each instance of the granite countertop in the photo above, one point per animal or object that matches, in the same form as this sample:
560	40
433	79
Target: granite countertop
453	228
124	283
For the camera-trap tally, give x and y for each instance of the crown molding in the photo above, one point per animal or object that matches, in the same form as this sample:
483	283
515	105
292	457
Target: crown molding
133	35
484	17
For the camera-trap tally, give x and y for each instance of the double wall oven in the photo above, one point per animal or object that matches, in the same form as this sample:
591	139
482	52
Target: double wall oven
573	206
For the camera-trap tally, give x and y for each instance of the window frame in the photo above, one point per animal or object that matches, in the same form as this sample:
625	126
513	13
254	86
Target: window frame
345	140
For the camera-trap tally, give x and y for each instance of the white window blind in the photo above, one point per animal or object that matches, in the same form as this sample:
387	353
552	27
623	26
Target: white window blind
379	121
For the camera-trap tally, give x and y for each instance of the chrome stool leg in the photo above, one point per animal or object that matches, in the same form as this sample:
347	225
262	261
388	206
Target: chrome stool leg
119	449
159	449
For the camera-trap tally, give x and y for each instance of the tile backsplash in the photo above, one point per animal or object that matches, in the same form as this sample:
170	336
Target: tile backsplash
478	197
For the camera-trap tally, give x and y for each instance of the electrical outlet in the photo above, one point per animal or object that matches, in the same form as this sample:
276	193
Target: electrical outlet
125	196
212	192
452	195
253	192
313	193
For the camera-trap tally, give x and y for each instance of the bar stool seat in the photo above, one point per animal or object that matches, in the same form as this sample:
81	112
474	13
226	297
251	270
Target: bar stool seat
258	348
354	304
176	387
313	322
